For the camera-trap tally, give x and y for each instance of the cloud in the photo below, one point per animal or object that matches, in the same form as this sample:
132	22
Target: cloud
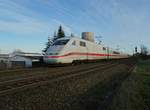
23	27
115	20
17	19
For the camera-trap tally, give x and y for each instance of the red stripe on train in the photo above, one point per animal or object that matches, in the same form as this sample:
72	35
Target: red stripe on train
77	53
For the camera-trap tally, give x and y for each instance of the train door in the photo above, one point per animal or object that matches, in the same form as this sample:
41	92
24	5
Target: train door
108	52
83	50
87	51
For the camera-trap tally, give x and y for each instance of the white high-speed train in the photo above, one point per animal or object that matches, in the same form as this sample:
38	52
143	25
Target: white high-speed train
69	50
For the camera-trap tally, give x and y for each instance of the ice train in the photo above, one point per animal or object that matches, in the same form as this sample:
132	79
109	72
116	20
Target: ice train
72	49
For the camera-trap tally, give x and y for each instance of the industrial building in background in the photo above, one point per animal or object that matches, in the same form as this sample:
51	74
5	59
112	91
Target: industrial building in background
89	36
19	59
3	60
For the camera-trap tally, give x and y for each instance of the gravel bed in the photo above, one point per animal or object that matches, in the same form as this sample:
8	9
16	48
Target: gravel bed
75	93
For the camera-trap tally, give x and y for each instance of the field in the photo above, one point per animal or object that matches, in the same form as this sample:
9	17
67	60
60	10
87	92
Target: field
134	94
112	85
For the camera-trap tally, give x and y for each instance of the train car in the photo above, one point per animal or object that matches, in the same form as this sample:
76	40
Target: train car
71	49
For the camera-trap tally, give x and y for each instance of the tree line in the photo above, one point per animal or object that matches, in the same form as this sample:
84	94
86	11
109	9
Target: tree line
58	35
144	52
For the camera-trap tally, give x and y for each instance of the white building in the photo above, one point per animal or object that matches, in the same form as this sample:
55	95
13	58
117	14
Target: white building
3	60
22	59
4	57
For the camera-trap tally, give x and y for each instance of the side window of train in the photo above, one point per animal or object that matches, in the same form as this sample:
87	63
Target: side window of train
83	44
104	48
114	52
74	43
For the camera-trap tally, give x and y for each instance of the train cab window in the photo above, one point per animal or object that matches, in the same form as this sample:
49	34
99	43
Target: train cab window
61	42
83	44
74	43
114	52
104	48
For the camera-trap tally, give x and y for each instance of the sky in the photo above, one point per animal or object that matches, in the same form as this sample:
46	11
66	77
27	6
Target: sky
26	24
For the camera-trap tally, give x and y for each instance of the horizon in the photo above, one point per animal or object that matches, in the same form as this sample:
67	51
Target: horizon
26	25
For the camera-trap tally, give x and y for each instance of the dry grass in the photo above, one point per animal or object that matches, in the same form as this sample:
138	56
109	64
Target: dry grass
128	96
134	93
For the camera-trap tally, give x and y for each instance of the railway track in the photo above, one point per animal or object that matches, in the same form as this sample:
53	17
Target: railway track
11	86
55	73
45	71
29	72
26	70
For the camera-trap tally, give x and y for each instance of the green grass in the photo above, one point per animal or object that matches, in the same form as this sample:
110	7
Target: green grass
144	71
134	94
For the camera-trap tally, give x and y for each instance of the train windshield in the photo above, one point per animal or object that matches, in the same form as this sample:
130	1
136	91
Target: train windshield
61	42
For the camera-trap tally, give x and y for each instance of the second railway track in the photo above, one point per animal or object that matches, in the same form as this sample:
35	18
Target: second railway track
12	86
43	71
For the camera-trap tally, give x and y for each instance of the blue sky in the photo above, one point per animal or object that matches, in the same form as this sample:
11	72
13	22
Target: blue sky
26	24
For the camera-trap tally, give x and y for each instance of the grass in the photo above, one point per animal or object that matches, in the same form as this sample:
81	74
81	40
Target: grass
134	93
144	71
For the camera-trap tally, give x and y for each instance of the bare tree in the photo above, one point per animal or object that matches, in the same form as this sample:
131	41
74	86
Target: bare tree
48	44
144	50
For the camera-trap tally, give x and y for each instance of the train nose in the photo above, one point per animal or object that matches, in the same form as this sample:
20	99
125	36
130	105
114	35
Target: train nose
49	60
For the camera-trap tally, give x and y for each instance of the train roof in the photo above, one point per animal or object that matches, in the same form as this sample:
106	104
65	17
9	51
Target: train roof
65	38
78	38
